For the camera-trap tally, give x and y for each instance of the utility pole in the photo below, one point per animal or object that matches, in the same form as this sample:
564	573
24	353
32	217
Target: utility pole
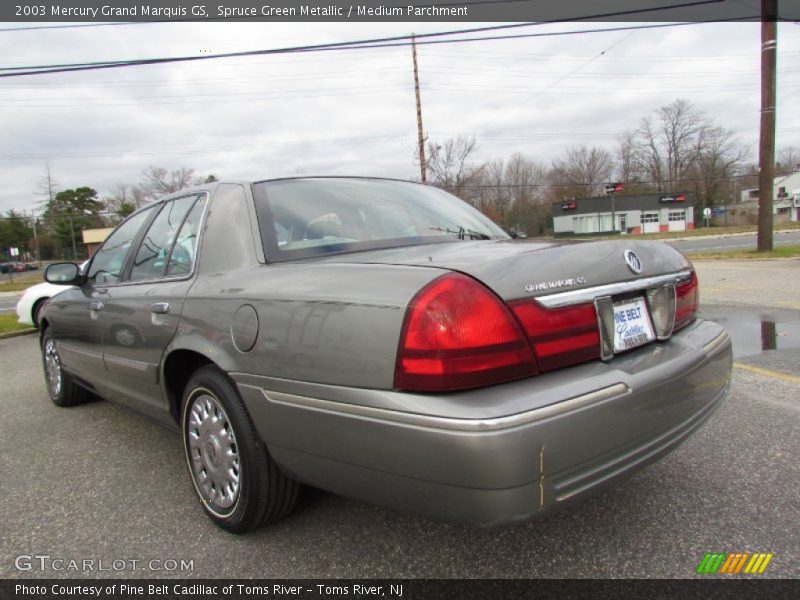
766	146
72	235
420	135
36	239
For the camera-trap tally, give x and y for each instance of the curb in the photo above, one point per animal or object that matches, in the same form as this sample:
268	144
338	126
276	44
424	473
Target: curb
710	236
715	236
21	332
699	258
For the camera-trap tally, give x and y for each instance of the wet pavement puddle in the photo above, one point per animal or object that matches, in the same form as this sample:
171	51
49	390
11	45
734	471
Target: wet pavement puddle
756	331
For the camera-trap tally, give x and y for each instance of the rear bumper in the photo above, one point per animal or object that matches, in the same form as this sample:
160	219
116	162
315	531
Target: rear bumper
497	454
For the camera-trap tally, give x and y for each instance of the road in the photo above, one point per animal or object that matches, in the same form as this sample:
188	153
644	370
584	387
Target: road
733	242
9	303
98	482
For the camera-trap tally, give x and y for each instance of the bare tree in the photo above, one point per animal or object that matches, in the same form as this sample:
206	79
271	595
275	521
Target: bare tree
670	144
47	186
487	191
788	159
527	209
581	171
511	193
713	173
120	200
449	164
138	195
629	169
158	181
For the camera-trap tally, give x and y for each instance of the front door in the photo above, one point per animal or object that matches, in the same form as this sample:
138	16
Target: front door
140	316
73	323
76	312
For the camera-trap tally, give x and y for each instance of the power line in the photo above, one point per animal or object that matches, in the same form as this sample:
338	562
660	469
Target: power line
556	82
281	51
196	150
355	73
110	65
75	26
312	93
356	44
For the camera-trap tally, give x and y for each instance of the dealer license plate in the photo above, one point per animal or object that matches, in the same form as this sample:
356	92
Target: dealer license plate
632	325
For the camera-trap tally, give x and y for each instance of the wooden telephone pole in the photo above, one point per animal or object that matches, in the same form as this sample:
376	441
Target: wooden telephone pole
420	135
766	146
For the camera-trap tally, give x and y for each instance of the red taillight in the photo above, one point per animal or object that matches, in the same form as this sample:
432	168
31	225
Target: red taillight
687	301
457	335
560	336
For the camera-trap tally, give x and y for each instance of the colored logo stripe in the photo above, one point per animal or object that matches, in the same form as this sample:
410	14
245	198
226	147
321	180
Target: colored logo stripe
733	563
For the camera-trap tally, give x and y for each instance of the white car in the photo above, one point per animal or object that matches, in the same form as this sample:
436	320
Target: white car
33	300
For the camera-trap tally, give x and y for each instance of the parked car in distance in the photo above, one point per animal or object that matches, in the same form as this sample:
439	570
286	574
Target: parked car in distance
384	340
32	301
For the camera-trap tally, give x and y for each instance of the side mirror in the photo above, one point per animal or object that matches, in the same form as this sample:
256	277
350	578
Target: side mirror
65	273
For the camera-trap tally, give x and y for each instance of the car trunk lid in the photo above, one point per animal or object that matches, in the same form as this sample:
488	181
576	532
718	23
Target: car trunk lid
516	269
575	301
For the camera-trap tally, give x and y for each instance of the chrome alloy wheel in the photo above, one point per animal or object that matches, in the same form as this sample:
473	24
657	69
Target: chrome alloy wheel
212	453
52	367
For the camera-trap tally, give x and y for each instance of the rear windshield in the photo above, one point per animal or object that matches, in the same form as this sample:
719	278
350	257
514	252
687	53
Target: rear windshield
301	218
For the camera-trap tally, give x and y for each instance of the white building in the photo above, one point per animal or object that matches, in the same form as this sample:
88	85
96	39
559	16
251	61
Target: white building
786	189
635	215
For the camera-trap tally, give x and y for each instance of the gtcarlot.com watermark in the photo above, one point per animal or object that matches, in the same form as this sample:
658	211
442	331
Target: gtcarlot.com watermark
48	563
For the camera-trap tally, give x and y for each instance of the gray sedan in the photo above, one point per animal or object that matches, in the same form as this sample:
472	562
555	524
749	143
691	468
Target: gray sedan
383	340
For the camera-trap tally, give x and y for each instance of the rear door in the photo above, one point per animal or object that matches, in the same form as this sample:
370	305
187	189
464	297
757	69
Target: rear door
140	316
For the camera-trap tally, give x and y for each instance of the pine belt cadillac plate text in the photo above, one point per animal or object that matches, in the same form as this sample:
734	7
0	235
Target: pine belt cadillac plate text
632	326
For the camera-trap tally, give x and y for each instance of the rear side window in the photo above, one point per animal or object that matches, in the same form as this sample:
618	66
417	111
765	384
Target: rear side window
154	252
109	259
185	248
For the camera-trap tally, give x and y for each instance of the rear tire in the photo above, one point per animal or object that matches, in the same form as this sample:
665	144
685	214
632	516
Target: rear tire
238	483
62	389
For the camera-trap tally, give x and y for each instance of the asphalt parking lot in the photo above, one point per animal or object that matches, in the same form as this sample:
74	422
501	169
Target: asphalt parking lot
96	482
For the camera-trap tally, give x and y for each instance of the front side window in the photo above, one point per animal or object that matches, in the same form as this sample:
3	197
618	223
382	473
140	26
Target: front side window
109	260
311	217
154	251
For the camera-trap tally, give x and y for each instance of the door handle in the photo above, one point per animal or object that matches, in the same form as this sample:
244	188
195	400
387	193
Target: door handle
96	305
159	308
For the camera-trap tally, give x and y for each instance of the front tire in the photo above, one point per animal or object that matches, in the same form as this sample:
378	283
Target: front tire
36	313
62	389
238	483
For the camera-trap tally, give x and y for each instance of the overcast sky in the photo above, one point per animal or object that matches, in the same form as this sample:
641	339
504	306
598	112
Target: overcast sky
352	112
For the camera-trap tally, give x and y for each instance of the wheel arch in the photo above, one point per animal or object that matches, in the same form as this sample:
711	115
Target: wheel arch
178	367
39	302
42	326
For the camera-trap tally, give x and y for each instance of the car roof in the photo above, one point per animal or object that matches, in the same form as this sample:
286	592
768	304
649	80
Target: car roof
210	187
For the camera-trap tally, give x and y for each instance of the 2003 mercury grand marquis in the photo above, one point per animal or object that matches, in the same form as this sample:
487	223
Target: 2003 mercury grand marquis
383	340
